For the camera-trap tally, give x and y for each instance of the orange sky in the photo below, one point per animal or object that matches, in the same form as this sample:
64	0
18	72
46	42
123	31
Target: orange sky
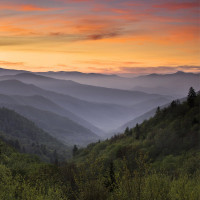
108	36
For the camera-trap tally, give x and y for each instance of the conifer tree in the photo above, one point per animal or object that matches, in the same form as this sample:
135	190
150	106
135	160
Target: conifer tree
191	97
74	151
137	132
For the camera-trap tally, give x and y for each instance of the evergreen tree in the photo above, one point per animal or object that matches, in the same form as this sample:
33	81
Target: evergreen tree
17	145
158	110
191	97
74	151
110	182
137	132
55	157
173	104
127	131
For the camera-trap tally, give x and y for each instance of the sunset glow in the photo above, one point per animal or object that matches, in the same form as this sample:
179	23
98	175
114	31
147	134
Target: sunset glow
108	36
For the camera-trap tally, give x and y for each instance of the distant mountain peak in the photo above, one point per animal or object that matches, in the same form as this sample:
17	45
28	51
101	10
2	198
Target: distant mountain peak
77	73
180	72
30	75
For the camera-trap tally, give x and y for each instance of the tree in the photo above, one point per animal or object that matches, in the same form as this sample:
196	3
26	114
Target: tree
74	151
110	181
191	97
173	104
127	131
17	145
158	110
55	157
137	131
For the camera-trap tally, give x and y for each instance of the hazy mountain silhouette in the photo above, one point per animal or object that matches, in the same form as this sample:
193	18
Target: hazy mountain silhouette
57	126
175	84
84	92
141	118
27	137
102	115
64	74
43	103
10	71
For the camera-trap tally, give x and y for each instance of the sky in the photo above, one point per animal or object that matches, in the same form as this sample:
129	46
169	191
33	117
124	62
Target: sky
101	36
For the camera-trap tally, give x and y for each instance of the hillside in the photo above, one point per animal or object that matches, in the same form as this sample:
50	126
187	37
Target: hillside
173	130
104	116
24	176
159	159
28	138
59	127
45	104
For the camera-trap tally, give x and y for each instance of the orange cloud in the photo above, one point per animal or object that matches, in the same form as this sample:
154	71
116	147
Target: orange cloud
15	30
112	63
106	30
11	64
25	8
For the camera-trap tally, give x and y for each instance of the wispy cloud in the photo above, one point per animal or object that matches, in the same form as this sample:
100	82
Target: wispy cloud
11	64
174	6
159	69
25	7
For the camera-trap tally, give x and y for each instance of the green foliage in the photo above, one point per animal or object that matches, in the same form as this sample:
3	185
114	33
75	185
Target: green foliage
157	160
26	137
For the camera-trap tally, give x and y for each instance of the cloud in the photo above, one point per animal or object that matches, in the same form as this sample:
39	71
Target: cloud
102	69
25	7
14	64
174	6
73	1
112	63
145	30
186	67
159	69
63	67
103	35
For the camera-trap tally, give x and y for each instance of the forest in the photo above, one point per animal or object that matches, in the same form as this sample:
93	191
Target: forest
158	159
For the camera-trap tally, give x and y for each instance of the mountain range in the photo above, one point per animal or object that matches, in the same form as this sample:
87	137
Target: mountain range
104	116
78	112
175	84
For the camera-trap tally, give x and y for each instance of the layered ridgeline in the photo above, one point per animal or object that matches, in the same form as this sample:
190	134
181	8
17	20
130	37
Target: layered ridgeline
58	121
158	159
98	117
84	92
175	84
26	137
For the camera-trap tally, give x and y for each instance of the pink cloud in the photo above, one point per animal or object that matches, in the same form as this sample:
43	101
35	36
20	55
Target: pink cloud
173	6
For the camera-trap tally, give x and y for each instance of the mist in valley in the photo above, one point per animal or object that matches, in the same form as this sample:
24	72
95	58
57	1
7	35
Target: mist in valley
78	108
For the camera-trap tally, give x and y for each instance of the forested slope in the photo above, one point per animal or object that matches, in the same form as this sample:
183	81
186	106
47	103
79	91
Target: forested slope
172	131
25	136
157	160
